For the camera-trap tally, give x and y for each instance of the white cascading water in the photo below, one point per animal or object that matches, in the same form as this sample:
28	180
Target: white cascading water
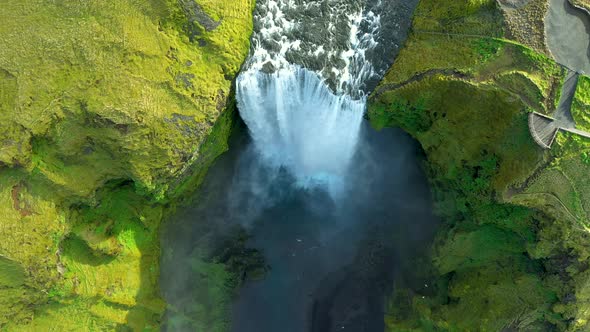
296	121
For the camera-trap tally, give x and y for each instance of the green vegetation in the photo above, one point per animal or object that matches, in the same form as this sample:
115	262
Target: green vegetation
110	112
11	273
216	271
562	192
581	104
512	251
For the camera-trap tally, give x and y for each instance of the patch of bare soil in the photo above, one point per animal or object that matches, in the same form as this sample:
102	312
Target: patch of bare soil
19	204
525	22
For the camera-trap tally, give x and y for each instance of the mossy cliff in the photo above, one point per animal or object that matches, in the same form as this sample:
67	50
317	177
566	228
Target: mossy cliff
109	112
514	247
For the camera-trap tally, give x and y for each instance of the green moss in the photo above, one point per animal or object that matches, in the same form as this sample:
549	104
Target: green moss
466	37
487	48
216	267
467	167
562	191
461	17
110	112
71	316
581	103
215	144
78	250
449	34
515	68
520	84
209	312
490	294
511	251
11	273
443	104
475	249
138	93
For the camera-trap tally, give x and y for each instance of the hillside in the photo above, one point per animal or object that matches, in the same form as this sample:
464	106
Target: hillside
512	251
109	112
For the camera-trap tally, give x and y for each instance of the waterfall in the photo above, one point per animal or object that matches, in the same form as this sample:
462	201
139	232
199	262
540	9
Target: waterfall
297	122
302	92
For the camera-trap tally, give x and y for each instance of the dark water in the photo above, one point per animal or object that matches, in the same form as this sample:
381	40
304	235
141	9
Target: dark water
332	260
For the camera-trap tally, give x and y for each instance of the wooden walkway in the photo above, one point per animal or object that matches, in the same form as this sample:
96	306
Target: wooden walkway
544	129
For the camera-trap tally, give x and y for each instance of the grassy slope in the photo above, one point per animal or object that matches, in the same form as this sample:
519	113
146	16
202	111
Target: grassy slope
107	113
581	104
509	254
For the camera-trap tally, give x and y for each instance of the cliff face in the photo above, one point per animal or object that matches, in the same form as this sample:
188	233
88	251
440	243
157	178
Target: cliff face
513	250
109	111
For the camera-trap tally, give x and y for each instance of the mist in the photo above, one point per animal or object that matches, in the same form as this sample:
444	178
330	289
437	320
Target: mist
332	211
332	259
296	122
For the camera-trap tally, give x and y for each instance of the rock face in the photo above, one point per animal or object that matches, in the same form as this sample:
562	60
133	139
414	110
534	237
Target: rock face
108	111
349	43
513	251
